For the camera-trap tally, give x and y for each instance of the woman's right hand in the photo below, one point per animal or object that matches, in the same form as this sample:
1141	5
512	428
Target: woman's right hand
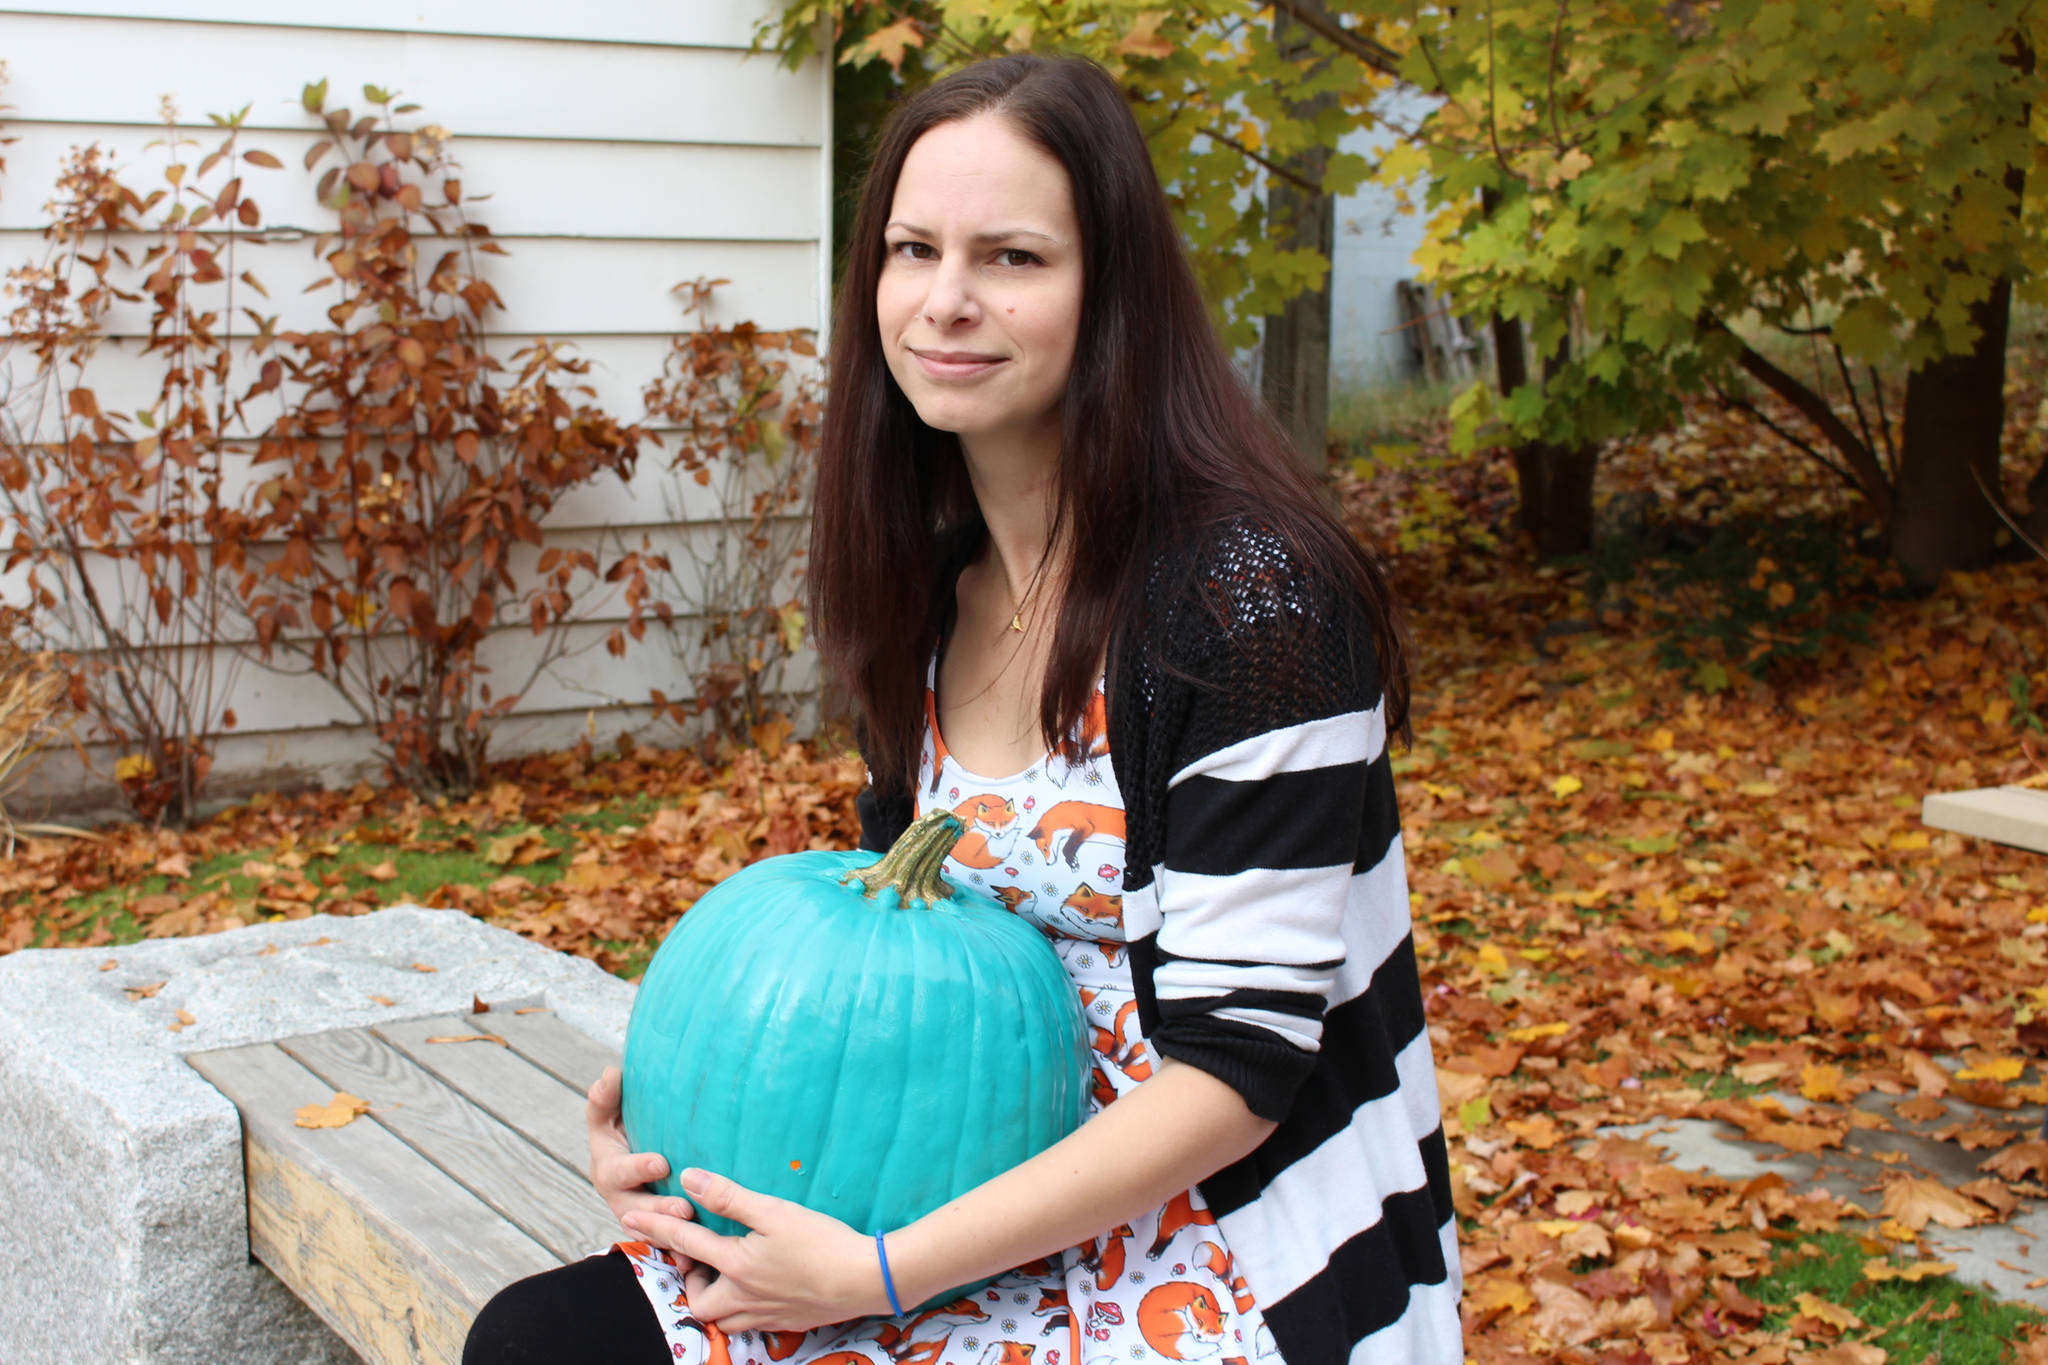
621	1174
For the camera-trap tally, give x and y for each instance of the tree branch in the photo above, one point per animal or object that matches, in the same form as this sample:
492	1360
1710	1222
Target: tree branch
1324	25
1757	414
1307	186
1869	476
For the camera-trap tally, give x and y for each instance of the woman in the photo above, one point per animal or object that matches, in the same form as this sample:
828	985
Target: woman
1055	539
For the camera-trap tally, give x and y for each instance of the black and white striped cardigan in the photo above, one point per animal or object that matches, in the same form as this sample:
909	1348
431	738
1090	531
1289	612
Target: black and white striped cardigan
1266	901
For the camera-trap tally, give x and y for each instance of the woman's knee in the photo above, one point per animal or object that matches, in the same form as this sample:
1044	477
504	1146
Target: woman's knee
590	1310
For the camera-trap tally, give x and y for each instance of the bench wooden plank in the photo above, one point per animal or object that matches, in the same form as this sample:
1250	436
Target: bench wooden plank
2006	815
549	1044
393	1291
549	1201
533	1102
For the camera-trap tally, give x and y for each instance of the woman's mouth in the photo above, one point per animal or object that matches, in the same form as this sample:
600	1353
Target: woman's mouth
955	364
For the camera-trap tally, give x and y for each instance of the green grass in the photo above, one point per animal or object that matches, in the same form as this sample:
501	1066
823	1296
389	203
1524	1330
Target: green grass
1911	1321
1361	417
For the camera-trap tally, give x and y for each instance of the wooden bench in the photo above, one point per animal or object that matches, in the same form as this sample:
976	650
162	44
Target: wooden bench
2005	815
468	1171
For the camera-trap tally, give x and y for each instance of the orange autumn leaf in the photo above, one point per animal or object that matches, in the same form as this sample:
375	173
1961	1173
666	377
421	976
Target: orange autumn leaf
2021	1161
1821	1082
1833	1315
1916	1203
338	1112
1879	1269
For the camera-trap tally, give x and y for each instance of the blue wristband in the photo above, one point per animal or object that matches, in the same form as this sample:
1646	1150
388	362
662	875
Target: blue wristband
888	1284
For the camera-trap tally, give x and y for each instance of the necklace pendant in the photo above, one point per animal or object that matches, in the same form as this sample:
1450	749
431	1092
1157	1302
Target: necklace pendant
1017	621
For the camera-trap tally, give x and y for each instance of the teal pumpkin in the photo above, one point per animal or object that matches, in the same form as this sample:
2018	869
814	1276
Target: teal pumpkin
863	1037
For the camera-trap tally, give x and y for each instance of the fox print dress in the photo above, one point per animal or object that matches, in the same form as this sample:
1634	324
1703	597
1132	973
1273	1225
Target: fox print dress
1049	844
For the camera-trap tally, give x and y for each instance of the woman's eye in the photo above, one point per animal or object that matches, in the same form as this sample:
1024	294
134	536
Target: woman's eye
916	251
1017	256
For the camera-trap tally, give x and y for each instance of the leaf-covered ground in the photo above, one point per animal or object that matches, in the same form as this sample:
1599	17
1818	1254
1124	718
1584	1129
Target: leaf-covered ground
1640	891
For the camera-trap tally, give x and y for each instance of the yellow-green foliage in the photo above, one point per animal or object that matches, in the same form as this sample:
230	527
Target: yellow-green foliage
1219	102
1670	169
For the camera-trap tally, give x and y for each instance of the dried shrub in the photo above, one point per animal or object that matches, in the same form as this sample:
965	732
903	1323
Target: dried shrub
116	519
407	468
747	413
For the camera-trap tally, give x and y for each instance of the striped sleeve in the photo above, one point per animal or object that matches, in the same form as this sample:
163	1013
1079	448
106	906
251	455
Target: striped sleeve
1265	838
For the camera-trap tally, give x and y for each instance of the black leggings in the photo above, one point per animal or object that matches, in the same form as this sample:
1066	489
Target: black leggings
590	1312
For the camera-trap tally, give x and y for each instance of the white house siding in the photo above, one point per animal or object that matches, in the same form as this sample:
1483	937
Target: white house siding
1375	249
624	148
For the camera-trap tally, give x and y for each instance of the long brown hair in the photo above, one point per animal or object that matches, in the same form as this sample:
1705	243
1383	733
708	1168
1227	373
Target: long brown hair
1158	438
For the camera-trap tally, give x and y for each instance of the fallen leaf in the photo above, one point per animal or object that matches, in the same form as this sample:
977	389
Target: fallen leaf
1532	1032
382	1000
1879	1269
386	871
2019	1161
337	1112
531	1009
1833	1315
423	967
1994	1069
184	1021
109	965
144	992
477	1005
1921	1108
1566	786
267	950
470	1038
1846	1353
1916	1202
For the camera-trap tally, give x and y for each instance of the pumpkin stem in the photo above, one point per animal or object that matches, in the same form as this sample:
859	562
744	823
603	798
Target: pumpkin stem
911	867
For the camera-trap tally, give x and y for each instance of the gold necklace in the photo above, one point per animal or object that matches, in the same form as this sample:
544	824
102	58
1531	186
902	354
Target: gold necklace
1017	616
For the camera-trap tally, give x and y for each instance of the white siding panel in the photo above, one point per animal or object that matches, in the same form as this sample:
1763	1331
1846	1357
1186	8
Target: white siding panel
685	23
504	87
553	287
519	189
618	150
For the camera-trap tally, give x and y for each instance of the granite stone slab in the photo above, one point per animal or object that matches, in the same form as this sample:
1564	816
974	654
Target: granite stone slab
123	1233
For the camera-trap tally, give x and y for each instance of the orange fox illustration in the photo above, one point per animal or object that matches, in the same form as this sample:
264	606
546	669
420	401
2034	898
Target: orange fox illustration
1124	1051
903	1344
1180	1212
1008	1353
1094	906
1053	1307
1181	1321
1223	1266
1012	897
991	831
1093	735
1109	1256
782	1345
843	1358
1072	824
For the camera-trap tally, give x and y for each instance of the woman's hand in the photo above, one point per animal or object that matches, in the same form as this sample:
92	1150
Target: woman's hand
621	1174
797	1269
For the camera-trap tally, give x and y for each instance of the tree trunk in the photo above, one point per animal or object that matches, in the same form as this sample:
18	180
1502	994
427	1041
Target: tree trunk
1554	483
1947	513
1294	361
1943	516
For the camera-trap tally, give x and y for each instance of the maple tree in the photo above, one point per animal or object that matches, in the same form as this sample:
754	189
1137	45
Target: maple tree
1649	192
1225	106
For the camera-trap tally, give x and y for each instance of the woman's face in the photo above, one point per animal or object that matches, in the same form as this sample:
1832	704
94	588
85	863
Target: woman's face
979	300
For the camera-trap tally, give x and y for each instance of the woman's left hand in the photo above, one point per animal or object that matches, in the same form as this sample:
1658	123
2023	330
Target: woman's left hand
797	1269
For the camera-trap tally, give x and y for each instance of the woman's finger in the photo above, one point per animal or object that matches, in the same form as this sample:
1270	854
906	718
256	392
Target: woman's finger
684	1237
729	1199
702	1288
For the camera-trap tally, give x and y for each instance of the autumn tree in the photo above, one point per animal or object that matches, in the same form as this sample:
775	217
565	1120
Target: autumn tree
1669	198
1242	105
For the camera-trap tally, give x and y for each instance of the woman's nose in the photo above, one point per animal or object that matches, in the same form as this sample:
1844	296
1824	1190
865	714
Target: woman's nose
951	297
